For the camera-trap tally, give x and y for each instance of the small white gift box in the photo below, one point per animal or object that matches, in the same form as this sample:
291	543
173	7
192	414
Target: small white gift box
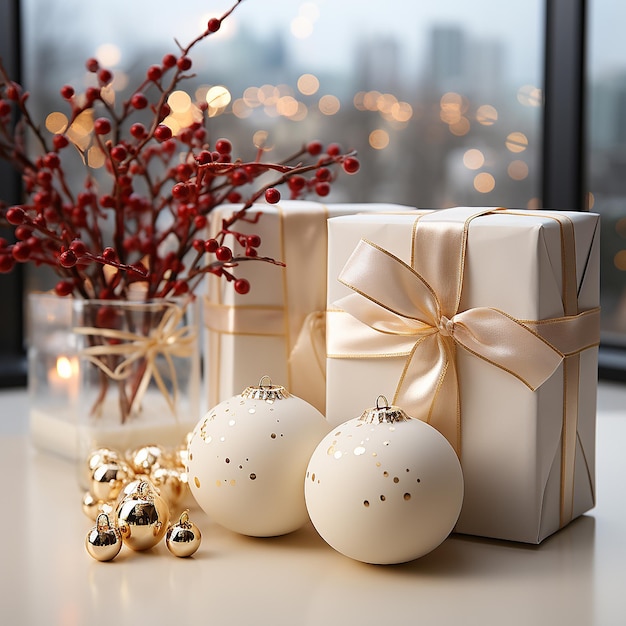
278	328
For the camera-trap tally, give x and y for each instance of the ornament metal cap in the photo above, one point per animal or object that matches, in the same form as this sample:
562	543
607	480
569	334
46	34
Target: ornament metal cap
385	414
269	392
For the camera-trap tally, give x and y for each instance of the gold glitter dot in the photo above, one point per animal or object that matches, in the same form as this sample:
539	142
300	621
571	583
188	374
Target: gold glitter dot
338	433
313	477
359	450
227	460
407	496
233	482
382	498
377	463
191	456
196	480
385	474
374	454
330	450
366	503
396	479
252	476
218	483
273	435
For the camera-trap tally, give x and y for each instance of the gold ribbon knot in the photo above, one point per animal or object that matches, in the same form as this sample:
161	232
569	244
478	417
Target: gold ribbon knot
168	339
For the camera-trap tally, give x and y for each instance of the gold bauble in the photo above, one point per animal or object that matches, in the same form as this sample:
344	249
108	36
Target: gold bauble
171	484
108	479
143	517
184	537
97	457
145	458
104	540
92	507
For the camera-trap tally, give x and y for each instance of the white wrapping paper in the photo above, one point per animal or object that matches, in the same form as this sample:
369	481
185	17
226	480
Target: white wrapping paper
278	328
521	485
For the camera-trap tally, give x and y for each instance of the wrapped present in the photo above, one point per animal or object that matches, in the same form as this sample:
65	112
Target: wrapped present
278	328
484	323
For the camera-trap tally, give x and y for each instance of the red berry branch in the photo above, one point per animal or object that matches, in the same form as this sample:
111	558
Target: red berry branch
144	222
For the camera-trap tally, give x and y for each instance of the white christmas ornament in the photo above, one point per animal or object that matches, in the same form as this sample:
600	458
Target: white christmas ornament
384	488
247	459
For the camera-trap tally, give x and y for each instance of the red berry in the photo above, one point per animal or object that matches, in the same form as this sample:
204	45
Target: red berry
23	232
272	195
102	126
78	247
13	92
334	149
351	165
254	241
169	60
204	157
242	286
211	245
60	142
51	160
296	183
15	215
198	245
234	197
118	153
21	251
109	255
107	201
5	108
138	130
7	263
139	101
323	174
162	132
184	63
224	253
322	189
314	148
200	221
251	252
92	94
154	72
223	146
105	76
239	177
67	258
92	65
63	288
67	92
180	191
214	25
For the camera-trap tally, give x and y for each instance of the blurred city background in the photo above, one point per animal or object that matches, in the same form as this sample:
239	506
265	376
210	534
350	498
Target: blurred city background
442	100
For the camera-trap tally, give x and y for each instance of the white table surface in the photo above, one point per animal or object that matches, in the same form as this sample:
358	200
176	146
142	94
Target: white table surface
575	578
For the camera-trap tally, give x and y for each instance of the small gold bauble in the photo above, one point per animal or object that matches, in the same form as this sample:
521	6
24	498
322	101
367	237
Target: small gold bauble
144	459
184	537
143	517
97	457
170	483
93	507
104	540
108	479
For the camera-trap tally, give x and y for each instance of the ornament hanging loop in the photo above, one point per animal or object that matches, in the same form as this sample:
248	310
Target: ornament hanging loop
384	414
268	392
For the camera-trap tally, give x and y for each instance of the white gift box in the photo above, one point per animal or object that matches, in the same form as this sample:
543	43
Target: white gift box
278	328
524	427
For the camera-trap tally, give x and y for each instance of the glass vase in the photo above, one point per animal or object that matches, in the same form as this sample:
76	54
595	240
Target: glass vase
127	373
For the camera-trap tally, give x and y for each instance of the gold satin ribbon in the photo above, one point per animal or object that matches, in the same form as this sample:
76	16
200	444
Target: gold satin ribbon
168	339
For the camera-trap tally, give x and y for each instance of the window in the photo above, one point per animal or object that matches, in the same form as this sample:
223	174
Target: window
443	101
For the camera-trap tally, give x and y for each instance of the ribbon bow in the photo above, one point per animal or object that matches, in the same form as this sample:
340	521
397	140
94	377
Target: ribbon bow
394	300
168	339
